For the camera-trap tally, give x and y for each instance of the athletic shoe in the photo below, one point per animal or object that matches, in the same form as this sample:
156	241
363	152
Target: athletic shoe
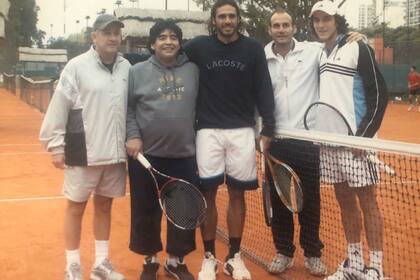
315	266
105	271
372	273
150	270
74	272
236	268
410	108
280	263
208	267
345	272
179	272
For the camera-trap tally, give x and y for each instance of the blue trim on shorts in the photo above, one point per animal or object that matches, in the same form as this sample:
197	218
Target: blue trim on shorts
211	183
244	185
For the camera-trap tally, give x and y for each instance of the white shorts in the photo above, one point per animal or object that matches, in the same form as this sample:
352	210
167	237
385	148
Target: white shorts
104	180
339	165
229	152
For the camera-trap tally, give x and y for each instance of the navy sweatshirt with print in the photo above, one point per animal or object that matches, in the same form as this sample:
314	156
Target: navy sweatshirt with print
234	81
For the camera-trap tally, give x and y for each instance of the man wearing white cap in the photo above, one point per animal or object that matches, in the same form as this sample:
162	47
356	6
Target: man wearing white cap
84	130
351	82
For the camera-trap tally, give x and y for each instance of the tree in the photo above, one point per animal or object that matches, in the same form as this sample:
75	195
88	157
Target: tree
21	30
75	44
256	13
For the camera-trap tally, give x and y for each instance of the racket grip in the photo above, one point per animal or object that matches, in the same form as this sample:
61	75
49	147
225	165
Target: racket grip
143	161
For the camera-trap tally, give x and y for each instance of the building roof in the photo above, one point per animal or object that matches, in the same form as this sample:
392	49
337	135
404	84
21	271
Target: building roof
42	55
139	21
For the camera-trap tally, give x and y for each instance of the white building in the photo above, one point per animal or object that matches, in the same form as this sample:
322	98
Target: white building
367	15
413	12
4	10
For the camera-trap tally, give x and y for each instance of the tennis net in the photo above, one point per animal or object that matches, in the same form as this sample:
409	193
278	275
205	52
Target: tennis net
396	169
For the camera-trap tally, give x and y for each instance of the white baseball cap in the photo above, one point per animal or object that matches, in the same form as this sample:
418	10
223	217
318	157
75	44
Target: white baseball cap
325	6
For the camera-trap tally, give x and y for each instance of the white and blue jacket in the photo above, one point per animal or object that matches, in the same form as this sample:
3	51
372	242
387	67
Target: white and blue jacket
351	82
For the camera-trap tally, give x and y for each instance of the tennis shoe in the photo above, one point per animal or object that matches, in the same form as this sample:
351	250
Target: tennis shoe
208	267
372	273
105	271
410	108
74	272
315	266
235	267
150	270
280	263
345	272
179	272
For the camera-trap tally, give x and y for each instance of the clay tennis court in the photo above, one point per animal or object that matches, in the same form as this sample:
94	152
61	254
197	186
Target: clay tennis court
32	209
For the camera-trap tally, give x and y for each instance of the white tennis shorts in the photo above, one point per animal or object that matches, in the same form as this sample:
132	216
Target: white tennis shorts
105	180
229	152
339	165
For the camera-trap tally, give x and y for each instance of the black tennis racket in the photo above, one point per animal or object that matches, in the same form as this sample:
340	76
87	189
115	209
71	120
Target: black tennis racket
181	202
265	187
337	123
286	182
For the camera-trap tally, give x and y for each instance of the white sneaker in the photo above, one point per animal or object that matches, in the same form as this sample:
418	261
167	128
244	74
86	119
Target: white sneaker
280	263
105	271
208	267
315	266
410	107
74	272
236	268
345	272
372	273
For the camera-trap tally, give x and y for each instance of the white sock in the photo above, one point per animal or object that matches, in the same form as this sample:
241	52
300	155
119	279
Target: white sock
151	259
375	258
355	254
172	260
72	256
101	251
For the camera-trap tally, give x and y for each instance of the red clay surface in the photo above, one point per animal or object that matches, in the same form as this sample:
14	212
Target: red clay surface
32	208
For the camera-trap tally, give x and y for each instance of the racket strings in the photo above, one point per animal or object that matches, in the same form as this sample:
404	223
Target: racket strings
289	187
183	204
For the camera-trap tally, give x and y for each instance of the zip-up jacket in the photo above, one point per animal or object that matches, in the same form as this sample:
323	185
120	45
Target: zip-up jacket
161	107
351	82
295	82
86	117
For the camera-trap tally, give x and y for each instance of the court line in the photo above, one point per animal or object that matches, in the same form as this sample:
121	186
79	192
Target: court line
40	198
12	145
22	153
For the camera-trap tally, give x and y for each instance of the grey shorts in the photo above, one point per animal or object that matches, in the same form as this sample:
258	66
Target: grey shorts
105	180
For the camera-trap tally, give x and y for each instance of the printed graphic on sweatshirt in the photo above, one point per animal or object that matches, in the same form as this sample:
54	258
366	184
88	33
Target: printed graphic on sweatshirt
225	64
171	88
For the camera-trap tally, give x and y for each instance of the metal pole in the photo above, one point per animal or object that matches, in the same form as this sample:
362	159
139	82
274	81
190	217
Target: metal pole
408	32
383	31
64	17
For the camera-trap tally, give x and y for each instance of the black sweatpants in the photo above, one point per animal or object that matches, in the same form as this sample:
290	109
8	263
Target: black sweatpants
146	213
303	157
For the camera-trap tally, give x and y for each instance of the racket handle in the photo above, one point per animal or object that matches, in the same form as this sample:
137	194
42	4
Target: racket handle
143	161
261	145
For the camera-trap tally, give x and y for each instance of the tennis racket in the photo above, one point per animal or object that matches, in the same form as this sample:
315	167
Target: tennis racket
181	202
287	184
337	123
266	197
